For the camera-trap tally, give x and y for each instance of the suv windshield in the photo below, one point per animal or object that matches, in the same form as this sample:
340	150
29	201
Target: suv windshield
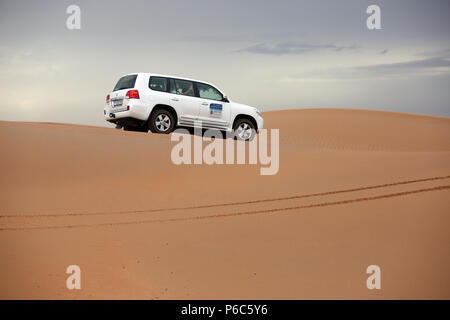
126	82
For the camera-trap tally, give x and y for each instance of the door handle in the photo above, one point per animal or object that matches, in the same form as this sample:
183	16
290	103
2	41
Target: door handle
175	99
205	103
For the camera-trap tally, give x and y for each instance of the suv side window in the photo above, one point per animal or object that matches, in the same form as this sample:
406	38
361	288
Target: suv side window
183	87
158	84
206	91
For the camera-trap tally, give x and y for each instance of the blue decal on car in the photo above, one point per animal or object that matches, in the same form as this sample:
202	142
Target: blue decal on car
215	109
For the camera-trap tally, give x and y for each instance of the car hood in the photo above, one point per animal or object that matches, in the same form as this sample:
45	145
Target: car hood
243	106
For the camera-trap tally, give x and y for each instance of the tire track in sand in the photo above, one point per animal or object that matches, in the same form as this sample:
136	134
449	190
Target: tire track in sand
301	196
234	214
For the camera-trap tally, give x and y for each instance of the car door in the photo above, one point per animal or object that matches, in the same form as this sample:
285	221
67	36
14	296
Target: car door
214	112
183	99
158	93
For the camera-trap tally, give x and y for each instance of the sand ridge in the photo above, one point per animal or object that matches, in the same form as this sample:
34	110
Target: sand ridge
354	188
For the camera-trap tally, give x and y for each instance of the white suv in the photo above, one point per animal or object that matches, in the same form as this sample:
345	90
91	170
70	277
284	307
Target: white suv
159	103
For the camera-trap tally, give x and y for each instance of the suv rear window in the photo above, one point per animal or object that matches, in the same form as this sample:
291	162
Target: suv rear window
126	82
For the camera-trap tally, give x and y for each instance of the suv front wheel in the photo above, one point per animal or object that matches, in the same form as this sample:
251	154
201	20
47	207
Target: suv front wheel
161	121
244	129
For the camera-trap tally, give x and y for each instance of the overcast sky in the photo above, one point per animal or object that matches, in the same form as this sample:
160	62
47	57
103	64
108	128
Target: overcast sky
268	54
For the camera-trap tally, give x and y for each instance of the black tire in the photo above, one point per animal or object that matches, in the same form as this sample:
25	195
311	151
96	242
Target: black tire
161	121
247	126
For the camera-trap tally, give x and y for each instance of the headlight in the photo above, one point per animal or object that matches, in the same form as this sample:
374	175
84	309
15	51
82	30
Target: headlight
258	112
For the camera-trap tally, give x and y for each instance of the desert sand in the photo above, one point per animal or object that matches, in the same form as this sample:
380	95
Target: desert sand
354	188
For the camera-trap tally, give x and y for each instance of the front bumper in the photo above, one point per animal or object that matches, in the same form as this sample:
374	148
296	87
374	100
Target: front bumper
259	122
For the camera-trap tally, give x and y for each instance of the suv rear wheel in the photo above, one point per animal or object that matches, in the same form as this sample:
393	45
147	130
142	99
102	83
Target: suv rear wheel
161	121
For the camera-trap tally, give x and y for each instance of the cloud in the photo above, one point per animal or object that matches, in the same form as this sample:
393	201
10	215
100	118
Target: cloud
436	53
429	64
291	47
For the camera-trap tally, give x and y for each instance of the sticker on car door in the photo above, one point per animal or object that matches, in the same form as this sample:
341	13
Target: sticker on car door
215	110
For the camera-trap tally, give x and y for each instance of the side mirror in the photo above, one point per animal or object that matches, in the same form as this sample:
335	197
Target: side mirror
225	99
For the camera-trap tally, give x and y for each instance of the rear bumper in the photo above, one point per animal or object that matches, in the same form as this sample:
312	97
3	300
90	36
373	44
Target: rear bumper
113	115
136	115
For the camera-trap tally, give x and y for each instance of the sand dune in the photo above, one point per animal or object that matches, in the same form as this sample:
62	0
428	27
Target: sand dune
354	188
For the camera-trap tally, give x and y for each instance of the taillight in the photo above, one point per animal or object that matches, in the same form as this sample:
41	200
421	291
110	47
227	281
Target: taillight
107	98
132	94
